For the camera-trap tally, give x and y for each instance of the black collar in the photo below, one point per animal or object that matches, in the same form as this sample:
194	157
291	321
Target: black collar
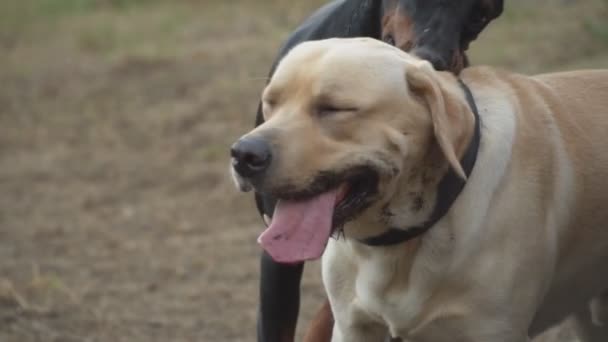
447	191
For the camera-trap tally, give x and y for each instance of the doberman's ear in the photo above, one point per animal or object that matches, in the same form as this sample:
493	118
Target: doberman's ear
482	13
493	8
451	118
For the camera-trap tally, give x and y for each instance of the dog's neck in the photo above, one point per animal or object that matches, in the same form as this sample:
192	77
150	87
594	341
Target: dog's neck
423	199
413	202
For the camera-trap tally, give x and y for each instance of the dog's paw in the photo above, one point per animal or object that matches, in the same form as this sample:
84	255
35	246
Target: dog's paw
599	310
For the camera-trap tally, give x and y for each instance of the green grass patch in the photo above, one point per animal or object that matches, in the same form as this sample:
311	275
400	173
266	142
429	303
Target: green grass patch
52	9
598	30
597	26
18	18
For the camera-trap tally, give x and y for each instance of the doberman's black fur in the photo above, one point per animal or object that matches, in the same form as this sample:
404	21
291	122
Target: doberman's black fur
437	30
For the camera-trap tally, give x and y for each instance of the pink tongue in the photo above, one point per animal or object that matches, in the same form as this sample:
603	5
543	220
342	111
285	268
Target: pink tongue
300	229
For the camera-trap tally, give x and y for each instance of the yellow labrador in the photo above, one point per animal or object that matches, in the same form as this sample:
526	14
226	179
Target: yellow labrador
449	223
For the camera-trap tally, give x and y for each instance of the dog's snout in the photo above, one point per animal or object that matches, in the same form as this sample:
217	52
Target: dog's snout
438	62
250	156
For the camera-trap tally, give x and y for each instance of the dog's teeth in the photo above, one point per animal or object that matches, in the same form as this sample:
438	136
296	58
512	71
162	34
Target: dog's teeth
267	219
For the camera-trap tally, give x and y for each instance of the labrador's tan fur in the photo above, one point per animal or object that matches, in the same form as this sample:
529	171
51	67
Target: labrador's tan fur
526	242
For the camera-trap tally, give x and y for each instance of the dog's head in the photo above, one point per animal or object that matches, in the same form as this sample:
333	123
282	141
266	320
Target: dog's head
351	127
439	31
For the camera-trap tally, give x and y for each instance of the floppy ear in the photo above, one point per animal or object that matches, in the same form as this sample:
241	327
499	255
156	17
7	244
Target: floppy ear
494	8
451	118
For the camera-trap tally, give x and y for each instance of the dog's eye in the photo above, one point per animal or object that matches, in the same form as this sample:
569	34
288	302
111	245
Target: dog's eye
326	109
389	39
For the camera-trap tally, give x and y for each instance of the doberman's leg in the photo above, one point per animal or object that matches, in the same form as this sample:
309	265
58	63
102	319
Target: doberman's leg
591	324
279	300
320	329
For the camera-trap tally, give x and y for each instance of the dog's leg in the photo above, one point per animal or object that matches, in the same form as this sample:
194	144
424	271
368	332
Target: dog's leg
360	333
599	309
591	325
279	300
321	326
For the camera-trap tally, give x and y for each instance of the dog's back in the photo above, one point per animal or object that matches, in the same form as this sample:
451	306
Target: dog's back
560	162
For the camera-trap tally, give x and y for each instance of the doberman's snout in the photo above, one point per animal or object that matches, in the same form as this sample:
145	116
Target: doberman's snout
250	156
438	61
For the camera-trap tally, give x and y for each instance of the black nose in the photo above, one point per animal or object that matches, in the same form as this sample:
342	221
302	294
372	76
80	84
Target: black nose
250	156
439	63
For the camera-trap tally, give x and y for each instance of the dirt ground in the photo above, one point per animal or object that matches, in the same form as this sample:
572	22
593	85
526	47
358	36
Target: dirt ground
118	221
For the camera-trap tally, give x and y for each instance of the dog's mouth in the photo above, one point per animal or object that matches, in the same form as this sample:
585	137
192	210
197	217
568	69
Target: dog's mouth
303	221
354	196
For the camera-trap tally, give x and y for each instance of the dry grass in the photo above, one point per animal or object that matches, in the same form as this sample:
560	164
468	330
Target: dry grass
118	221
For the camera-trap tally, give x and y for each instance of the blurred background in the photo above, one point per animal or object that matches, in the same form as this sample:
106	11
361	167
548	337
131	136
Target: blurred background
118	220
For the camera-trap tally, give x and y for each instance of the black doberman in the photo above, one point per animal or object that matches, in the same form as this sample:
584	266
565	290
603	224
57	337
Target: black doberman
437	30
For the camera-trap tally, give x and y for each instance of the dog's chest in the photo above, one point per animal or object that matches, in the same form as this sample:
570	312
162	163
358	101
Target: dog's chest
383	285
372	284
384	291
